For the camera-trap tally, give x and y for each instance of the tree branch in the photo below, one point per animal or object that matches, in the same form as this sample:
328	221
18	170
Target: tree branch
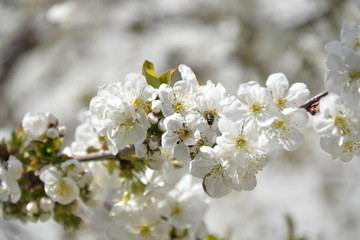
312	105
104	155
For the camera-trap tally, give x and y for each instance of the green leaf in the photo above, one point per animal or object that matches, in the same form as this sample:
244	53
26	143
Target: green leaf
150	75
152	78
167	76
148	65
211	237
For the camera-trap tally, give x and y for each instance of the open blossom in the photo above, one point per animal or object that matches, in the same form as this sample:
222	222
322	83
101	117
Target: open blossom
139	222
238	141
184	206
177	99
343	77
136	90
9	174
283	130
254	105
210	102
339	127
335	118
215	172
349	40
121	116
182	132
60	189
284	96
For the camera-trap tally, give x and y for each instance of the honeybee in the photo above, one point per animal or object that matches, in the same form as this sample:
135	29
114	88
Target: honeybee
210	116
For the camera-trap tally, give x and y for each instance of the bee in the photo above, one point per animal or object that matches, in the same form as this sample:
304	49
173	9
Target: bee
210	116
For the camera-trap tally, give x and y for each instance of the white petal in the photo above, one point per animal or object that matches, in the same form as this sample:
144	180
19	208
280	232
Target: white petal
217	185
182	152
278	84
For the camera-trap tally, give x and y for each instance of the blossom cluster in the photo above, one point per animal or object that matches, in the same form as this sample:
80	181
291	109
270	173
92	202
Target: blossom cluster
225	140
338	122
159	143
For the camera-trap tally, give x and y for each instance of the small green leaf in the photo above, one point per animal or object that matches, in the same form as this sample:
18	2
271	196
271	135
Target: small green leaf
167	76
150	75
152	78
148	65
211	237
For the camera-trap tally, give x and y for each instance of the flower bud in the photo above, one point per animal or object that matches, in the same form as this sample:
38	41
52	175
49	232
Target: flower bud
86	179
46	204
52	133
156	106
140	150
32	207
153	118
44	216
161	125
15	168
52	120
62	130
31	218
153	145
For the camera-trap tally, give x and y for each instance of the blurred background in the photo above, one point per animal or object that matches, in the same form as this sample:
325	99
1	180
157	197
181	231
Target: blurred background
54	55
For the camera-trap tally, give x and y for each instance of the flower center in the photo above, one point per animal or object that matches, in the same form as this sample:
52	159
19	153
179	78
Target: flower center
179	106
241	142
144	229
340	123
279	123
137	102
63	189
255	108
356	43
184	133
280	103
175	211
354	76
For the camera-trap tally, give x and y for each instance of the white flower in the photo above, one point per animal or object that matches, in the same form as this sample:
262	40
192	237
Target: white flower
343	77
345	149
116	117
145	223
9	187
60	189
71	168
336	119
85	138
349	40
238	142
284	97
178	99
35	125
180	133
254	105
136	90
214	171
184	206
247	174
210	101
339	127
283	130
